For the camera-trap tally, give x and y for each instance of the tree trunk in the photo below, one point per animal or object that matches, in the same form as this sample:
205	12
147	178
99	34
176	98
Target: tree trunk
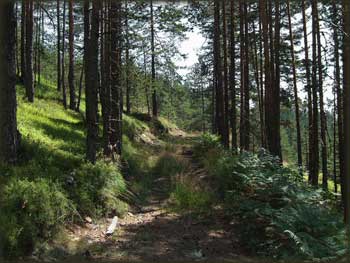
233	77
9	137
29	76
275	66
226	139
246	111
116	106
257	82
339	94
127	61
335	139
346	74
272	107
58	47
41	44
145	76
295	88
242	129
23	43
314	162
106	87
261	95
64	92
322	111
80	87
218	74
91	79
18	74
154	92
72	102
308	88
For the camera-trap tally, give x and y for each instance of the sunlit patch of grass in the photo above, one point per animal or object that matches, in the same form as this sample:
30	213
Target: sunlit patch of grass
133	127
51	165
331	184
167	124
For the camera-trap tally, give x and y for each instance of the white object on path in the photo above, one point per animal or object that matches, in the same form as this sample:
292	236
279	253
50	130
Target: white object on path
112	226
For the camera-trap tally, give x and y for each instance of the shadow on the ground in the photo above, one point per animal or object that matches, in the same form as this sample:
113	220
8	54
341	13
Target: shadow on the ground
172	237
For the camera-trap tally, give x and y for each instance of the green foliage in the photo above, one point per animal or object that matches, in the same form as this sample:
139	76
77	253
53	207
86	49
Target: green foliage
188	196
279	215
208	150
31	211
98	188
207	142
52	183
133	127
282	215
169	165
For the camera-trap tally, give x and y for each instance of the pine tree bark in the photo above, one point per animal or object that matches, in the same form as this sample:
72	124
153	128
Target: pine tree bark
346	105
219	89
58	46
261	95
9	137
153	88
272	107
41	45
264	24
308	88
295	88
275	48
18	71
145	76
116	106
314	149
257	82
64	92
321	102
72	100
226	139
23	43
335	140
106	88
91	79
29	76
242	130
233	77
339	95
246	91
127	61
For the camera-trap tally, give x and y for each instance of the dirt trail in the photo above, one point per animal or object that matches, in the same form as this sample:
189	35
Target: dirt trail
155	233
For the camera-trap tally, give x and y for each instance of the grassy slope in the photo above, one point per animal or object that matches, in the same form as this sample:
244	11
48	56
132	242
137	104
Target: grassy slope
52	152
55	135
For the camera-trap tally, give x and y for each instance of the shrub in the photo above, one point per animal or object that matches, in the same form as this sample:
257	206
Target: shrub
207	142
280	214
98	189
30	211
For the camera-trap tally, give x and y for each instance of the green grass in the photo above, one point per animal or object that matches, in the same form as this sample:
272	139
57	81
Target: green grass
189	197
51	169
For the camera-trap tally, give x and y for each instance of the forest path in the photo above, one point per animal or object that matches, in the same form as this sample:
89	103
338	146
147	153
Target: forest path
157	233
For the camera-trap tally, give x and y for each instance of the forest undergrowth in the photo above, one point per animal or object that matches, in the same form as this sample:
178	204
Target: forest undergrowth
268	210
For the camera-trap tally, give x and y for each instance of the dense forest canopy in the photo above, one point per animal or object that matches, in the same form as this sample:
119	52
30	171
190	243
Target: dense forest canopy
90	89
